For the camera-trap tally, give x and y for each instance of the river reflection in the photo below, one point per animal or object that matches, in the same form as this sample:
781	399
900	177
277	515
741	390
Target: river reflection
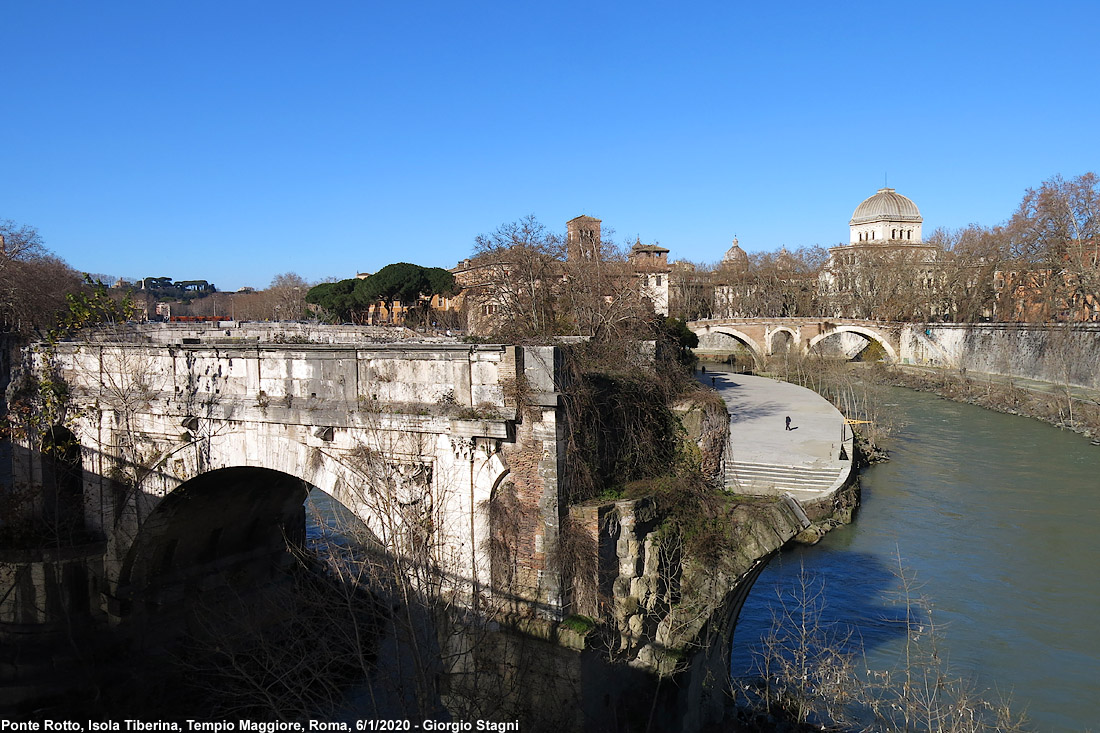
994	515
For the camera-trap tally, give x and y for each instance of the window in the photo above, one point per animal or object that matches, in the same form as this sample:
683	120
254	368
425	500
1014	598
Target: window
658	281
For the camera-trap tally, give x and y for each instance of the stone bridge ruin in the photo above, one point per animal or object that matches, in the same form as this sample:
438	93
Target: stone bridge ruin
187	465
162	430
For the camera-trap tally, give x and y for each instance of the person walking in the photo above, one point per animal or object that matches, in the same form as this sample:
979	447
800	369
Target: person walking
788	422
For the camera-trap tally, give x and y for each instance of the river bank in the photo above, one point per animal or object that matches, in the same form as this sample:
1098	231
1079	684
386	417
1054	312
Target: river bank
951	465
850	386
1067	408
992	515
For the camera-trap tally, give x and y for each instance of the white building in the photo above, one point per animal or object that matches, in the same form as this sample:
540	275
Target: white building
653	271
886	217
884	260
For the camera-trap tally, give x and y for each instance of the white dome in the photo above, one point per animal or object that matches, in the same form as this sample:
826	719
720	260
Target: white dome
886	205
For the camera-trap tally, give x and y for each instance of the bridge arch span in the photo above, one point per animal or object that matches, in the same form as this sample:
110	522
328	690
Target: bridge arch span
394	493
868	333
308	463
233	522
744	339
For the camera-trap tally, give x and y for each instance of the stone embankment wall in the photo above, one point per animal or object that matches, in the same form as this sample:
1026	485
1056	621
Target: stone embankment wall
1064	354
649	622
647	648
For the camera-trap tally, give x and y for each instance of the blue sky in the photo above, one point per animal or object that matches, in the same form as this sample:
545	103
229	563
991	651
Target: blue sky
231	141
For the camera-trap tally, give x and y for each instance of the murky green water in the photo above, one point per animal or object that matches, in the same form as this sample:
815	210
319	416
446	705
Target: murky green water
997	516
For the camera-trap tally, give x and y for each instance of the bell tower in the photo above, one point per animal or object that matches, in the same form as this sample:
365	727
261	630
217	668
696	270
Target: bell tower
582	238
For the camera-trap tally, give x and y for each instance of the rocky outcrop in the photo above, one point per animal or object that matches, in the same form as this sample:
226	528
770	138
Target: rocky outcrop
707	426
670	614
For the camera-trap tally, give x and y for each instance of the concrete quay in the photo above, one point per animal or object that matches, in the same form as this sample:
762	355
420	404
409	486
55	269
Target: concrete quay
809	462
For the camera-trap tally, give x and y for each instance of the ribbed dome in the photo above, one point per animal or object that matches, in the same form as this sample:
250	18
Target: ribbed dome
886	205
735	256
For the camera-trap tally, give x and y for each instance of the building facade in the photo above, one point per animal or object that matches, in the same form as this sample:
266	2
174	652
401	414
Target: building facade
886	271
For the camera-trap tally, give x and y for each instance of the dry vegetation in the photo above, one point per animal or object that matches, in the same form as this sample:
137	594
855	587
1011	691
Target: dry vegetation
812	675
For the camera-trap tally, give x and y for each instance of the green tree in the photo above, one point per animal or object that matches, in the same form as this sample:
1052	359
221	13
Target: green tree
337	298
682	339
442	281
407	284
398	283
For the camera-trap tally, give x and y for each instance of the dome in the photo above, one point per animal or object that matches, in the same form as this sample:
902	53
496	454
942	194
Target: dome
784	261
886	205
735	256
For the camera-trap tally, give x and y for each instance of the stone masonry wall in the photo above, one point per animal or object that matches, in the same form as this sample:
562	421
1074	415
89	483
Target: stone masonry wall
1059	353
446	411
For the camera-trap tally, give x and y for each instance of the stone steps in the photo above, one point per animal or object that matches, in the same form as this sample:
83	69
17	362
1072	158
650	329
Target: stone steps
773	478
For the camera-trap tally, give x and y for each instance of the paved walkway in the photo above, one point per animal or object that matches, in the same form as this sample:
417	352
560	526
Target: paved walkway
763	457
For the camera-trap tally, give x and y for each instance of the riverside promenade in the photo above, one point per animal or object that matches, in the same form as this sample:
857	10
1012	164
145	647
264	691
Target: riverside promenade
809	462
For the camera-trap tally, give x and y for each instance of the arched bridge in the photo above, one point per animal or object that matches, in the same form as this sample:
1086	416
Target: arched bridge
764	337
187	465
192	461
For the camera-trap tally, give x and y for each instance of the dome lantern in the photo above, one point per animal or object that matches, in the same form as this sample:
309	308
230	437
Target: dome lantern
735	257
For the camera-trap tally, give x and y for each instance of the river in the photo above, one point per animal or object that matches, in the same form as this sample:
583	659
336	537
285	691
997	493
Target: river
995	516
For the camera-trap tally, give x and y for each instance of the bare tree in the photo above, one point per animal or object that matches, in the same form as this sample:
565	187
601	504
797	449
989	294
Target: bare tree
893	283
33	283
516	279
692	290
1054	237
775	284
967	271
288	294
602	296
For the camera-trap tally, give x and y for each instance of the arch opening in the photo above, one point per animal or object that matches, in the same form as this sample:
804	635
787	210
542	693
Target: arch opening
781	342
255	580
739	349
231	527
62	484
852	344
